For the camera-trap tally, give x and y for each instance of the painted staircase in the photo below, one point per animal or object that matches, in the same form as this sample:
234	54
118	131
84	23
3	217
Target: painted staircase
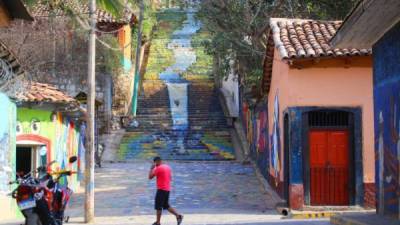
207	138
179	118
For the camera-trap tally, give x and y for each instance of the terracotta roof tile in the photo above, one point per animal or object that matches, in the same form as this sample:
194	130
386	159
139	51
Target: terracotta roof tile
39	92
45	10
302	39
296	38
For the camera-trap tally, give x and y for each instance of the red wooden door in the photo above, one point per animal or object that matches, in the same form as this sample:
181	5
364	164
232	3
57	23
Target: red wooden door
329	167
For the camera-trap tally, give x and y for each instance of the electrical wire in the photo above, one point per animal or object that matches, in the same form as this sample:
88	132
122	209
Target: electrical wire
112	48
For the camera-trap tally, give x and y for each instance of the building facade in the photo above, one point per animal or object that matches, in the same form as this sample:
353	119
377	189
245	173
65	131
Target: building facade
40	125
319	117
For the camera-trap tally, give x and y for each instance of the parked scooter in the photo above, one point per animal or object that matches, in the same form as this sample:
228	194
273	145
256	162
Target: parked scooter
41	199
61	195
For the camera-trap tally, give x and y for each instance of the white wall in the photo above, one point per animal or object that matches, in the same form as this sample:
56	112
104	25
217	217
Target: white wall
230	89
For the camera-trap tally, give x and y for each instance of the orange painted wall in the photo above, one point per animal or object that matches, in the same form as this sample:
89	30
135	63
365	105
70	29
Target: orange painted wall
326	87
4	16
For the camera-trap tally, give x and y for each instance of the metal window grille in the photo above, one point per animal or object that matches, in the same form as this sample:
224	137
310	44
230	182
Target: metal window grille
328	119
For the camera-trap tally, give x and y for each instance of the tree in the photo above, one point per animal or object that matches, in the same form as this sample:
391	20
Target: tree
238	29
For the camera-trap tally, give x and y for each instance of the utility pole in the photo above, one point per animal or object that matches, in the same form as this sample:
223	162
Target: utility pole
90	149
137	61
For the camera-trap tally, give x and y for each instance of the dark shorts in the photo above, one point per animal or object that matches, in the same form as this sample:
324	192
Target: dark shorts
162	200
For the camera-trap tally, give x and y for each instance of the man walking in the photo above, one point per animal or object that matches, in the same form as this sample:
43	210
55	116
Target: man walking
164	176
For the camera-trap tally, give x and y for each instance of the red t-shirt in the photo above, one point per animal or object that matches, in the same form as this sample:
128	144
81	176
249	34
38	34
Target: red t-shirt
163	174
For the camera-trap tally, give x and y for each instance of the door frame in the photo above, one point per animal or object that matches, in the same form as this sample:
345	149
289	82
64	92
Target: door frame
286	159
354	153
33	139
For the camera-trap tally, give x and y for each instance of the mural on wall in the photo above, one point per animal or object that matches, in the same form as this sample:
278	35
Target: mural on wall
255	122
66	143
262	133
275	138
387	121
59	135
388	147
202	146
7	144
81	151
183	130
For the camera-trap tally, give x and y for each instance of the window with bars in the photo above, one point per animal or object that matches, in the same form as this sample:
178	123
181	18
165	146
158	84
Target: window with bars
328	119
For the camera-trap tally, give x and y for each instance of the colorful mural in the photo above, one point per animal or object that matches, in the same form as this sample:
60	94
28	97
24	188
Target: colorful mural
7	142
388	148
60	135
8	117
387	121
255	121
125	43
179	116
276	138
201	146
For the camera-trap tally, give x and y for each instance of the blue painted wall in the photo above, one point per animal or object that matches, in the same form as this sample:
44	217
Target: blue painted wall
7	141
386	54
8	117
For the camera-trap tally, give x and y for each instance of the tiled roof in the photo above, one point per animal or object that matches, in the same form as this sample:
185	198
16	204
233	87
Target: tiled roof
297	38
39	92
45	10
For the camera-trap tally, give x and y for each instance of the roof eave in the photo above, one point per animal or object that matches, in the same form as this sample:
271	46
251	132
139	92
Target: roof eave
18	10
367	23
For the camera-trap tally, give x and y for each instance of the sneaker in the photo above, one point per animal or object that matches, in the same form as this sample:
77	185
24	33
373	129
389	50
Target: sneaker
155	223
179	219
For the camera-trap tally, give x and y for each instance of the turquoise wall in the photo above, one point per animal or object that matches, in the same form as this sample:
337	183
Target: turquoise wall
7	155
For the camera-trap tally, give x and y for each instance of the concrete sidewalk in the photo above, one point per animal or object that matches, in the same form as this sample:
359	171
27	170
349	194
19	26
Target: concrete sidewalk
362	219
195	219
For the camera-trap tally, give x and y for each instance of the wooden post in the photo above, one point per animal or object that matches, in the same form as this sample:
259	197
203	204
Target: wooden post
90	147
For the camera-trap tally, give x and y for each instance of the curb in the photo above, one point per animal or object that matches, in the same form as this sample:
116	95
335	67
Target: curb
311	215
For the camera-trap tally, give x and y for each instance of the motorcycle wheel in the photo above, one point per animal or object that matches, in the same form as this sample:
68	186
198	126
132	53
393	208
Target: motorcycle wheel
31	217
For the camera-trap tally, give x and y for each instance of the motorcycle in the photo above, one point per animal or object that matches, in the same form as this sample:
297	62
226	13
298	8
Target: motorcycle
60	196
41	199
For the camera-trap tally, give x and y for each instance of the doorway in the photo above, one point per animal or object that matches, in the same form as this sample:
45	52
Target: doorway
24	160
329	167
330	155
286	163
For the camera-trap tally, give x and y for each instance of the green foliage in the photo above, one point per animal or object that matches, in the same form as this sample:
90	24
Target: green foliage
115	7
318	9
108	59
238	28
202	68
149	21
